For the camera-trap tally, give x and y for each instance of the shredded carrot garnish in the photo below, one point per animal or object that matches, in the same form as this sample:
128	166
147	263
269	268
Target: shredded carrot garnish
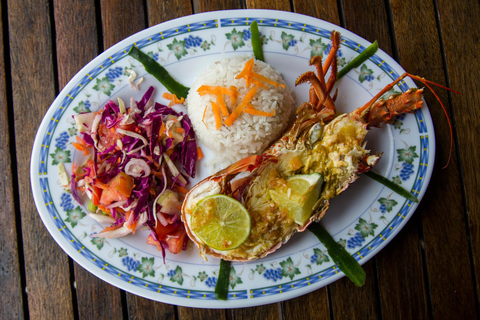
179	130
218	92
219	107
81	141
216	114
203	118
199	153
246	70
254	77
173	99
111	228
162	131
181	189
101	185
236	112
104	209
152	191
213	90
251	110
80	147
234	95
267	80
158	175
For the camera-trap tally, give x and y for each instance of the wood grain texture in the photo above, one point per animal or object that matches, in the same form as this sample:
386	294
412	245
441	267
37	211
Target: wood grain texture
401	283
141	308
159	11
326	10
269	4
121	19
310	306
350	302
446	244
266	312
376	13
202	314
461	45
46	265
213	5
76	45
11	298
402	287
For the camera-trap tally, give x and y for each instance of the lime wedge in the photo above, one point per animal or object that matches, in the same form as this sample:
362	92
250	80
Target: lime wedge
221	222
299	197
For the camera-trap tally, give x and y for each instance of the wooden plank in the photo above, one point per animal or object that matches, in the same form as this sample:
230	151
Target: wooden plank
377	27
96	299
159	11
403	292
201	314
349	302
401	283
11	298
141	308
461	46
46	265
121	19
325	10
443	218
310	306
265	312
213	5
269	4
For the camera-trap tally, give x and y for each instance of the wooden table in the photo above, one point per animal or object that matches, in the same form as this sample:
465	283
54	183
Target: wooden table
430	270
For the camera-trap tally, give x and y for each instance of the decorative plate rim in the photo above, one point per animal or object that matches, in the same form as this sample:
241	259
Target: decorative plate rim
226	15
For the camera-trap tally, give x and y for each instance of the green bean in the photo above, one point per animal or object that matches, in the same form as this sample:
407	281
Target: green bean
221	288
159	72
256	42
391	185
361	58
339	255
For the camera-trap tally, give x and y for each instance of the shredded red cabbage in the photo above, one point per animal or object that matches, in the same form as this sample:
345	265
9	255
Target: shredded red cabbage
113	149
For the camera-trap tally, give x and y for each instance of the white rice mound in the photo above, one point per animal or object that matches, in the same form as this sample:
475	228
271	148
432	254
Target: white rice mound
249	134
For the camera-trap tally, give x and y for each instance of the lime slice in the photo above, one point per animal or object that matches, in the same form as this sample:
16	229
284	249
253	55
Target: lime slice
221	222
299	197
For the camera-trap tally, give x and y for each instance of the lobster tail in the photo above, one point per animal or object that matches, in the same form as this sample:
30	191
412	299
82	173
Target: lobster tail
383	111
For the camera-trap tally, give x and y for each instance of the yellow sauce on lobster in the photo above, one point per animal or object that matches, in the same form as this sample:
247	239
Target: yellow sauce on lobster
335	156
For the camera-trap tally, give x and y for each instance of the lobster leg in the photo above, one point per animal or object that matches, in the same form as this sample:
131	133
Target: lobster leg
333	53
317	62
327	105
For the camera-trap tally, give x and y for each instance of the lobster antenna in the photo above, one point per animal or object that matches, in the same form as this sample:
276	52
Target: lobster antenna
427	82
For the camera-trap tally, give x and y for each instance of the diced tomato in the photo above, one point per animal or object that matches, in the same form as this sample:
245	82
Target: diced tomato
108	137
176	239
96	194
119	188
174	236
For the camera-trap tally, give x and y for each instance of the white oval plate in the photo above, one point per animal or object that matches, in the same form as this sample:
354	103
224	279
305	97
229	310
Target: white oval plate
364	218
